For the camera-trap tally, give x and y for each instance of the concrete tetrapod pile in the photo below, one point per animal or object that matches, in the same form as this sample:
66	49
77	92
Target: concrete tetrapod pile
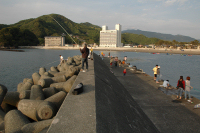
32	107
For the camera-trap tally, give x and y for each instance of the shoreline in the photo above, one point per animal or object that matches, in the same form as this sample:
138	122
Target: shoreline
145	50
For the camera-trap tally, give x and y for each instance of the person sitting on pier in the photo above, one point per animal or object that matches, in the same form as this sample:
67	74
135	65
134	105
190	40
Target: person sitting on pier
120	63
123	62
85	53
166	84
180	86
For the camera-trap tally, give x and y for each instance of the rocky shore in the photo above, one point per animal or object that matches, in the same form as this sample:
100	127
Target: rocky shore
31	109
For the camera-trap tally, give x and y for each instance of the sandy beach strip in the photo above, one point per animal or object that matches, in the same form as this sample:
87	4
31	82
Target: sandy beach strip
146	50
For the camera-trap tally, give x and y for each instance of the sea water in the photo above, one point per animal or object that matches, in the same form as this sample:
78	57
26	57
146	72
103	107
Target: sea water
15	66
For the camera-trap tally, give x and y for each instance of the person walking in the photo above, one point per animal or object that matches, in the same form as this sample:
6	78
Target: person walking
188	88
181	87
155	73
85	53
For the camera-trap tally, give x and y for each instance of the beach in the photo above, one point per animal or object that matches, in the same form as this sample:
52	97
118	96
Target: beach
146	50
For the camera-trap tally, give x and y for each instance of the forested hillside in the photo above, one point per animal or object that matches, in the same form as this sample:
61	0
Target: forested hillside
128	38
47	26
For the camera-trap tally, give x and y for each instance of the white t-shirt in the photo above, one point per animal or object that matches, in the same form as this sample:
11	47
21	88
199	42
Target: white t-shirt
165	83
61	57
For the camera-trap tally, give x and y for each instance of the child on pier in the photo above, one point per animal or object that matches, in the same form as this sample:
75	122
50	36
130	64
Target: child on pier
124	72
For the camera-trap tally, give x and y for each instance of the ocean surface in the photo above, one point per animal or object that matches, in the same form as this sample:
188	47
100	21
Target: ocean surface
15	66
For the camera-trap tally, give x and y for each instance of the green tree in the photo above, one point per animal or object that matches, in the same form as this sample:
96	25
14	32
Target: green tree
195	42
14	37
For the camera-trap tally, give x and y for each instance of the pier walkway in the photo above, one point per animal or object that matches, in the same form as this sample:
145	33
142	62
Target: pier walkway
113	103
167	116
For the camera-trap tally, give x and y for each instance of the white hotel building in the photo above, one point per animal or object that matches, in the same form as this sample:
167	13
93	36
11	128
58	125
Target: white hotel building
110	38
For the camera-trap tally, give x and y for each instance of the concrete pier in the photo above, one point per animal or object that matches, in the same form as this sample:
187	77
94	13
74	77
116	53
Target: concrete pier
167	115
77	113
104	106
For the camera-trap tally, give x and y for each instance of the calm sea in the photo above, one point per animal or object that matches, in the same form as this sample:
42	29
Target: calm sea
15	66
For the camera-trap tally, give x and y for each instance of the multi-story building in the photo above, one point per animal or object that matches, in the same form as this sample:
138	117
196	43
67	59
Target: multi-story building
54	41
110	38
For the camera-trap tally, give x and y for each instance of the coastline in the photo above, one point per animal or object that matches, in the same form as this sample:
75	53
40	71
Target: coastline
145	50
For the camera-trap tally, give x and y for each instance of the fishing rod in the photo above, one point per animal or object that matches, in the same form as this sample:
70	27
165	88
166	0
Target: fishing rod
63	29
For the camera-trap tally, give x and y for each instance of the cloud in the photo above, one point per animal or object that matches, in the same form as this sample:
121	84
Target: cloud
150	15
172	2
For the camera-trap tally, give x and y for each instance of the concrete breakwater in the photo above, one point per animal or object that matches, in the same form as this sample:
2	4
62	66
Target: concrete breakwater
167	114
32	107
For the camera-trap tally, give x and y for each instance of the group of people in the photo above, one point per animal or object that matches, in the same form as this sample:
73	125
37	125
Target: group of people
184	86
181	84
117	62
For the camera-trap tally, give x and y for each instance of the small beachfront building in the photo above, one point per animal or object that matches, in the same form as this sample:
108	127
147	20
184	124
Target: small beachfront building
54	41
110	38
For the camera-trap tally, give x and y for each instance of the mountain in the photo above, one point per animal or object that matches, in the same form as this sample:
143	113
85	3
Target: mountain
167	37
46	26
130	38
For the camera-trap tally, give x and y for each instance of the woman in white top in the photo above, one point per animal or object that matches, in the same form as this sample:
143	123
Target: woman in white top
188	88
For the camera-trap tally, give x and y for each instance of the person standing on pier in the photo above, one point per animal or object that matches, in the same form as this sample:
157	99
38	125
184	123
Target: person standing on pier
61	58
124	72
158	74
116	60
85	53
91	50
180	86
188	88
111	61
155	70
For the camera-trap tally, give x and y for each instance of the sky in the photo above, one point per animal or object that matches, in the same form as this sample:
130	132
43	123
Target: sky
176	17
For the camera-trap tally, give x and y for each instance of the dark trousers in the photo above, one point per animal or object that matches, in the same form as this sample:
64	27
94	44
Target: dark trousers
86	61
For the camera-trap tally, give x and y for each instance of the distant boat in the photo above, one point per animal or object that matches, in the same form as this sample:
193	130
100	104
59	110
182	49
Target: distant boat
189	55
